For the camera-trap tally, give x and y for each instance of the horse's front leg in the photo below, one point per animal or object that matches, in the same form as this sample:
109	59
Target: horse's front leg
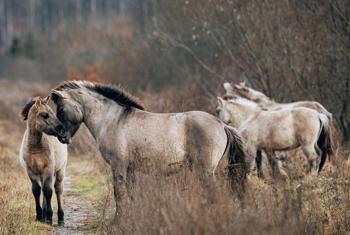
274	163
252	158
59	191
119	177
36	190
130	180
258	161
47	190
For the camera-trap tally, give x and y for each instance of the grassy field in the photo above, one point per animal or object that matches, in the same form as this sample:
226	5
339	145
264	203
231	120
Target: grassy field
176	204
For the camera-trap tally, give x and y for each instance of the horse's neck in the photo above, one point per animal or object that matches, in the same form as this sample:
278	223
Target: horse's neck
99	115
242	114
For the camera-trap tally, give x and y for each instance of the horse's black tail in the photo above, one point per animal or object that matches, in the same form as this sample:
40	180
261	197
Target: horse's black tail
325	141
237	166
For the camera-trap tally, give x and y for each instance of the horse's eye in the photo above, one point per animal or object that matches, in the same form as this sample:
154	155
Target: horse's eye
44	115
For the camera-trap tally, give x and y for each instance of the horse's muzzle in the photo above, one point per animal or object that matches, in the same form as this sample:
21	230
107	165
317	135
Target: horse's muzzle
62	135
64	139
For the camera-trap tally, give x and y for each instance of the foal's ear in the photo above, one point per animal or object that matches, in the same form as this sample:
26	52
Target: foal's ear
38	102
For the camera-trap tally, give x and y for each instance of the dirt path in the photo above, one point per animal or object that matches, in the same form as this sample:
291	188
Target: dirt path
79	213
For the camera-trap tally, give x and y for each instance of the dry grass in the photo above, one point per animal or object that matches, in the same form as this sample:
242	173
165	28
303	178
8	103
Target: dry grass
17	214
178	204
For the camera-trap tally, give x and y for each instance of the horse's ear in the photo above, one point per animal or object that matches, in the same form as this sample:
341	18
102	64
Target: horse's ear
56	95
220	101
228	87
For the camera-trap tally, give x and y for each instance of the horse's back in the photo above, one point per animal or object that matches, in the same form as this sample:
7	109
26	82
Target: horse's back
285	127
172	136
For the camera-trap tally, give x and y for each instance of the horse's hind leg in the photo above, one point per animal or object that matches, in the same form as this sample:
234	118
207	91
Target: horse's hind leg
36	190
59	191
311	156
47	190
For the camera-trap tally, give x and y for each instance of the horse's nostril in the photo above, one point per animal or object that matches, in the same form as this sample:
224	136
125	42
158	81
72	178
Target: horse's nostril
60	129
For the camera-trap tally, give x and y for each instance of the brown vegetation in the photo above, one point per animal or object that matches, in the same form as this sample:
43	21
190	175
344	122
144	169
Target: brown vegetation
175	55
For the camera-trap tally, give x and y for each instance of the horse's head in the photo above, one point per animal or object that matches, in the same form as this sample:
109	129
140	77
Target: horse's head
222	112
42	118
229	89
234	110
250	93
242	90
69	112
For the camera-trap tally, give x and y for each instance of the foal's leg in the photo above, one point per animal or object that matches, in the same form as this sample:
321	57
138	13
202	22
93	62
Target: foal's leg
59	191
47	190
44	208
36	190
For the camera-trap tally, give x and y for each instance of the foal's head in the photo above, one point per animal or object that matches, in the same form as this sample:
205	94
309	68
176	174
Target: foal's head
41	117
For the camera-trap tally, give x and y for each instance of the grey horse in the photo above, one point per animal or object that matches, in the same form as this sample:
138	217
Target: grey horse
128	136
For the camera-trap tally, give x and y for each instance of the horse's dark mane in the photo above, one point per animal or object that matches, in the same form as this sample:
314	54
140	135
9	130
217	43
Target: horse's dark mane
110	91
26	109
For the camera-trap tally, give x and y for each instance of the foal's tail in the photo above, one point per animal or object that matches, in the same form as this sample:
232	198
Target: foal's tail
325	140
237	166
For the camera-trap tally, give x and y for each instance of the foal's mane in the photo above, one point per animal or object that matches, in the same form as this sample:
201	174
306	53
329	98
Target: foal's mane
110	91
26	108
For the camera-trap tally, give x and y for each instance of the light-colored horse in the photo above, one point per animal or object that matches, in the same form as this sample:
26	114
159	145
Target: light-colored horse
279	130
266	102
258	99
127	135
43	157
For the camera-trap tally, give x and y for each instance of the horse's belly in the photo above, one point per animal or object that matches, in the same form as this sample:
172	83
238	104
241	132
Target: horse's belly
161	156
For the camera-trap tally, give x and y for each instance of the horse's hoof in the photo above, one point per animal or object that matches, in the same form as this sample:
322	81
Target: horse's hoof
39	219
48	221
60	223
